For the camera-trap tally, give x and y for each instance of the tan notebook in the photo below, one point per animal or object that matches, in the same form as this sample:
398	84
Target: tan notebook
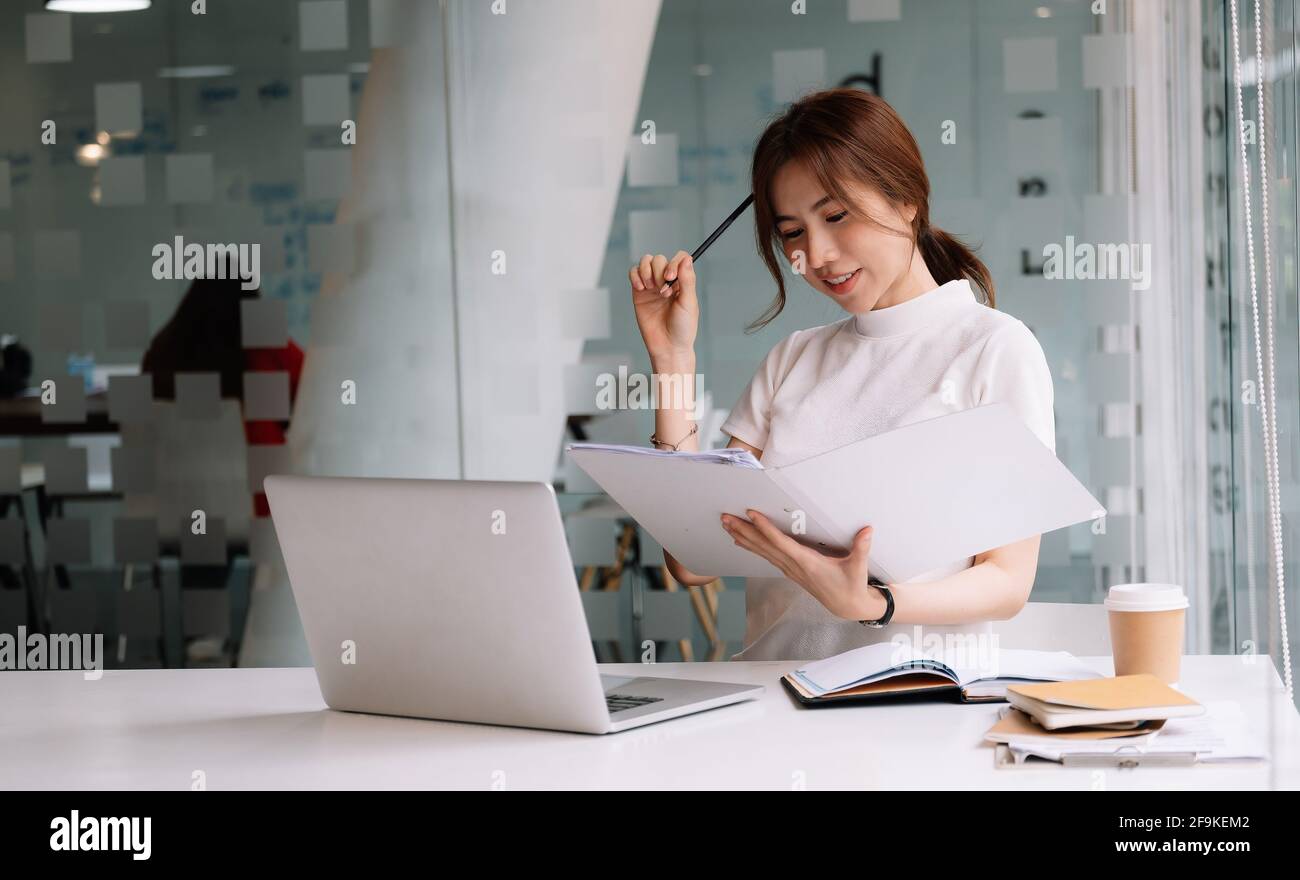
1124	699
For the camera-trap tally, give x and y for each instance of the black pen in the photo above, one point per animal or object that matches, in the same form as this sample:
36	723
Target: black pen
699	251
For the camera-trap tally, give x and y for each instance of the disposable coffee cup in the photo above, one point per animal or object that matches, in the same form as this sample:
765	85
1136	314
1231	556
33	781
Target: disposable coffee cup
1146	629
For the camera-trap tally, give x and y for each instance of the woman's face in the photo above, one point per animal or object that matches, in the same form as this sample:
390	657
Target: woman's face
836	243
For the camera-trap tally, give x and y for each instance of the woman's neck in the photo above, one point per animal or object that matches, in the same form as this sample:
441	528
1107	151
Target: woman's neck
917	281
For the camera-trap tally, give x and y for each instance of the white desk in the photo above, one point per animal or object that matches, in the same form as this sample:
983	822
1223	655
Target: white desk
268	728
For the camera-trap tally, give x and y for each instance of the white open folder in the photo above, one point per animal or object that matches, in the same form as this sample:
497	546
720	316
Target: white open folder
935	492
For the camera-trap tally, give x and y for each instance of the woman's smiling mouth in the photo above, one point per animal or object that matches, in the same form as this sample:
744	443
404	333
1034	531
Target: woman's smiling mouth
845	282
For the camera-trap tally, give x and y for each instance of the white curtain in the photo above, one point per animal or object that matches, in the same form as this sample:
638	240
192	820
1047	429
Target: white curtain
1152	149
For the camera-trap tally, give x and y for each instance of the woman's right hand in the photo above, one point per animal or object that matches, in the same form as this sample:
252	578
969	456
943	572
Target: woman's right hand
668	321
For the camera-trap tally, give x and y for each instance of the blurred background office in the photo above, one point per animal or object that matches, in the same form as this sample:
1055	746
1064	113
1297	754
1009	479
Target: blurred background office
446	197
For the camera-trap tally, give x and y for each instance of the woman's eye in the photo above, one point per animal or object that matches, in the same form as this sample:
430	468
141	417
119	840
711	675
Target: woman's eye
794	234
836	218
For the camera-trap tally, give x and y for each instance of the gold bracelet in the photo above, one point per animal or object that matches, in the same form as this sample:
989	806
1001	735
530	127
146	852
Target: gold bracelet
694	427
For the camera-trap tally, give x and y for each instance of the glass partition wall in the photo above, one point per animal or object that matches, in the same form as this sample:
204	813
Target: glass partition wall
211	221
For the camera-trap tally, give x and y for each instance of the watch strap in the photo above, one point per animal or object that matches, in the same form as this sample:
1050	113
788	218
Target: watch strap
889	607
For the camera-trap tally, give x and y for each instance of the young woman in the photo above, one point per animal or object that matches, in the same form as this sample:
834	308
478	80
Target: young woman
839	186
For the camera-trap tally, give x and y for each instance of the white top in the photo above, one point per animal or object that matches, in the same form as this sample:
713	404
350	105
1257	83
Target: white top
269	729
821	388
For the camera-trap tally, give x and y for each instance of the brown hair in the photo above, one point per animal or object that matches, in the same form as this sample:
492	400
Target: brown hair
850	134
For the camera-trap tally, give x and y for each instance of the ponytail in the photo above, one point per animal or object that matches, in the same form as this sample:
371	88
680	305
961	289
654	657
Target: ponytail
948	259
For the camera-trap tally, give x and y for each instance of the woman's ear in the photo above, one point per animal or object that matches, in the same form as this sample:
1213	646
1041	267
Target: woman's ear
909	213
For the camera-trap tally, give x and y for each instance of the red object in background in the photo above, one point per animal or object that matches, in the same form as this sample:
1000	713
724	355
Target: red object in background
260	432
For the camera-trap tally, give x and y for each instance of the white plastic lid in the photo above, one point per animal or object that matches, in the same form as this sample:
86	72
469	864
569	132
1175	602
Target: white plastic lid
1146	597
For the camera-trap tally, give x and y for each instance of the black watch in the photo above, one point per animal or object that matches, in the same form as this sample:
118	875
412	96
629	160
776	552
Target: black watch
889	606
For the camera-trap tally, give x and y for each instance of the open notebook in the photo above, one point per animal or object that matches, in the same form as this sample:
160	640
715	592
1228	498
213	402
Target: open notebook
891	669
935	492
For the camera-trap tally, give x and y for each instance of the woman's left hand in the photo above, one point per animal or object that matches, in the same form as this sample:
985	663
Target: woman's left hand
838	582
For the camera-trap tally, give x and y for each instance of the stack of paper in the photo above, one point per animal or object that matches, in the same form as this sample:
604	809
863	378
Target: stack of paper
1219	735
731	455
1024	738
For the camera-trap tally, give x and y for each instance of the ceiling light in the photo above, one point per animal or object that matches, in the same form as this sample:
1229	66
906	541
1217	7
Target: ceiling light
196	71
96	5
90	154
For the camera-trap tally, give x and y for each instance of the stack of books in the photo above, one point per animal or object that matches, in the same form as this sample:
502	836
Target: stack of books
1126	720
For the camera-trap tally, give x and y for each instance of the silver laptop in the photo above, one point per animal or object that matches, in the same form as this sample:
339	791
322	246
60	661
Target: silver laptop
456	600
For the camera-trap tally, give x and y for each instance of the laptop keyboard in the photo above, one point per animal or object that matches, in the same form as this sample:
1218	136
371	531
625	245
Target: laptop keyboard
619	702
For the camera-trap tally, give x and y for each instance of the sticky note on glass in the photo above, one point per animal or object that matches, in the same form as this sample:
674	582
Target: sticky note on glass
119	108
48	37
121	180
653	232
652	164
322	25
189	178
875	10
1035	145
1029	65
1105	218
1105	60
796	71
584	314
